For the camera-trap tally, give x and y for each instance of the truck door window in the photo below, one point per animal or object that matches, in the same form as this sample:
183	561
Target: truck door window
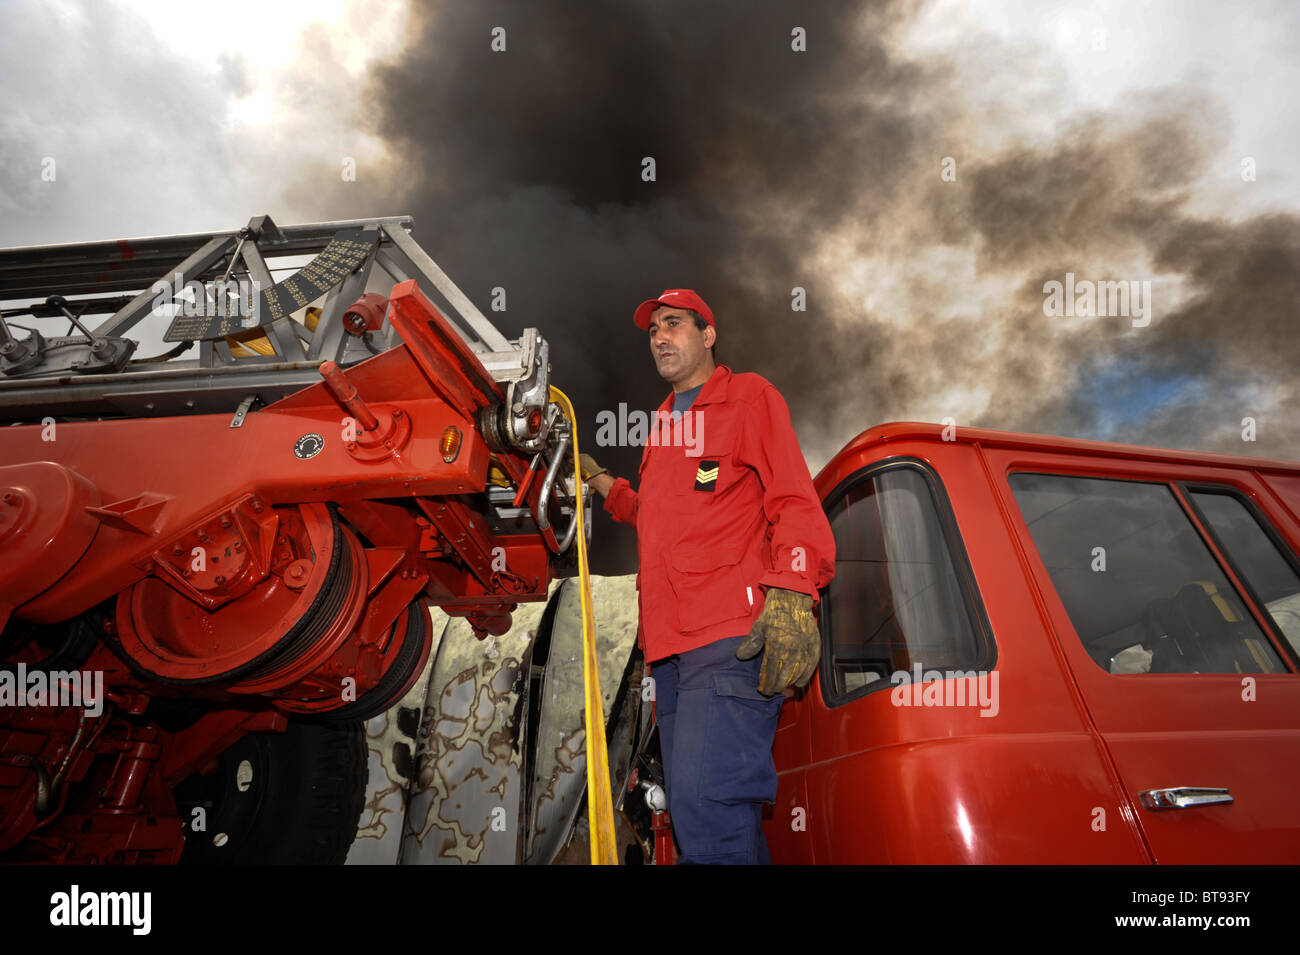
1140	585
896	600
1255	558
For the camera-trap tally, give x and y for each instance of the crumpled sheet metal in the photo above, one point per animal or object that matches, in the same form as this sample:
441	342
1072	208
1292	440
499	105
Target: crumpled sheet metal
460	799
560	765
467	796
392	738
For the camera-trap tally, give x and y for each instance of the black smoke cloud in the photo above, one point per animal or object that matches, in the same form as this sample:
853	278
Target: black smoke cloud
778	169
1108	200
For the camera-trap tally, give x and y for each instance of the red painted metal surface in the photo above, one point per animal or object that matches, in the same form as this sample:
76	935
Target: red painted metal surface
870	781
449	364
665	850
45	527
251	570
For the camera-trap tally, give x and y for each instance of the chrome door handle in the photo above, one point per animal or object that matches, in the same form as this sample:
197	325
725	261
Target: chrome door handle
1183	797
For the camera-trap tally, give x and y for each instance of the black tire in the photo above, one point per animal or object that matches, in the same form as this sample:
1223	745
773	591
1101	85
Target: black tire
301	797
70	643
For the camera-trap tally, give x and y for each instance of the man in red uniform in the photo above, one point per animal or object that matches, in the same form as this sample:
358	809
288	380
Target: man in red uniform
733	548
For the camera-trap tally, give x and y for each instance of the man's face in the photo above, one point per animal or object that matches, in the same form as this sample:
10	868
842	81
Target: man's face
680	350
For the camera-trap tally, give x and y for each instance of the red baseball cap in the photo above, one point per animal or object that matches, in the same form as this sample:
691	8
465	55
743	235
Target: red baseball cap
673	298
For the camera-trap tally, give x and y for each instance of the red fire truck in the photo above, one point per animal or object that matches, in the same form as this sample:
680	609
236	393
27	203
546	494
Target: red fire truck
216	559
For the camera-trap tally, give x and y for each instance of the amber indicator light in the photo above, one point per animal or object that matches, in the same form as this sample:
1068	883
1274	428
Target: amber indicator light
450	443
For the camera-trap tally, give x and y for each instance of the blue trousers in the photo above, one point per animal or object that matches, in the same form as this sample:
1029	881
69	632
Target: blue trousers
716	731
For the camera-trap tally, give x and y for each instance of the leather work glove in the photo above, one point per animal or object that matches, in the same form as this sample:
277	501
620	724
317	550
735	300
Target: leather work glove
589	467
787	632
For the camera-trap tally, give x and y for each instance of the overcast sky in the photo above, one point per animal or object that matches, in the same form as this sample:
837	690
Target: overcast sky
1106	140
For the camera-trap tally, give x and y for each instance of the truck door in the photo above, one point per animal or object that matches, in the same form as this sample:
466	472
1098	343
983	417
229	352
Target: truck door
929	742
1177	605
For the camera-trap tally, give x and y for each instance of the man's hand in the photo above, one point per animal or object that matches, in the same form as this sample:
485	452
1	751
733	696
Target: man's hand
788	631
589	467
598	477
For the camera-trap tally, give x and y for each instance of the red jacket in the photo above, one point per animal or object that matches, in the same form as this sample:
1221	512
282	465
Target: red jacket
726	509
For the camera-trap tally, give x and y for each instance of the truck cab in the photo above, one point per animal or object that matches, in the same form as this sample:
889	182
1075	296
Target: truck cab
1044	650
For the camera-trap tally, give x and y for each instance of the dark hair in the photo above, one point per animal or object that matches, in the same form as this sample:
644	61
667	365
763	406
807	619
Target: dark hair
701	324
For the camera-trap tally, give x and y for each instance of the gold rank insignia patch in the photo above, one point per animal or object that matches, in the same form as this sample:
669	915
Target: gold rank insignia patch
706	476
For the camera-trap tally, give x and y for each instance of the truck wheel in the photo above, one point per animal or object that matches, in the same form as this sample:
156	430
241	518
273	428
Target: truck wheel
290	798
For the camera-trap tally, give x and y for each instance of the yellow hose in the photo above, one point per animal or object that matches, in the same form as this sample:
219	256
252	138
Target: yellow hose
250	343
255	342
600	805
